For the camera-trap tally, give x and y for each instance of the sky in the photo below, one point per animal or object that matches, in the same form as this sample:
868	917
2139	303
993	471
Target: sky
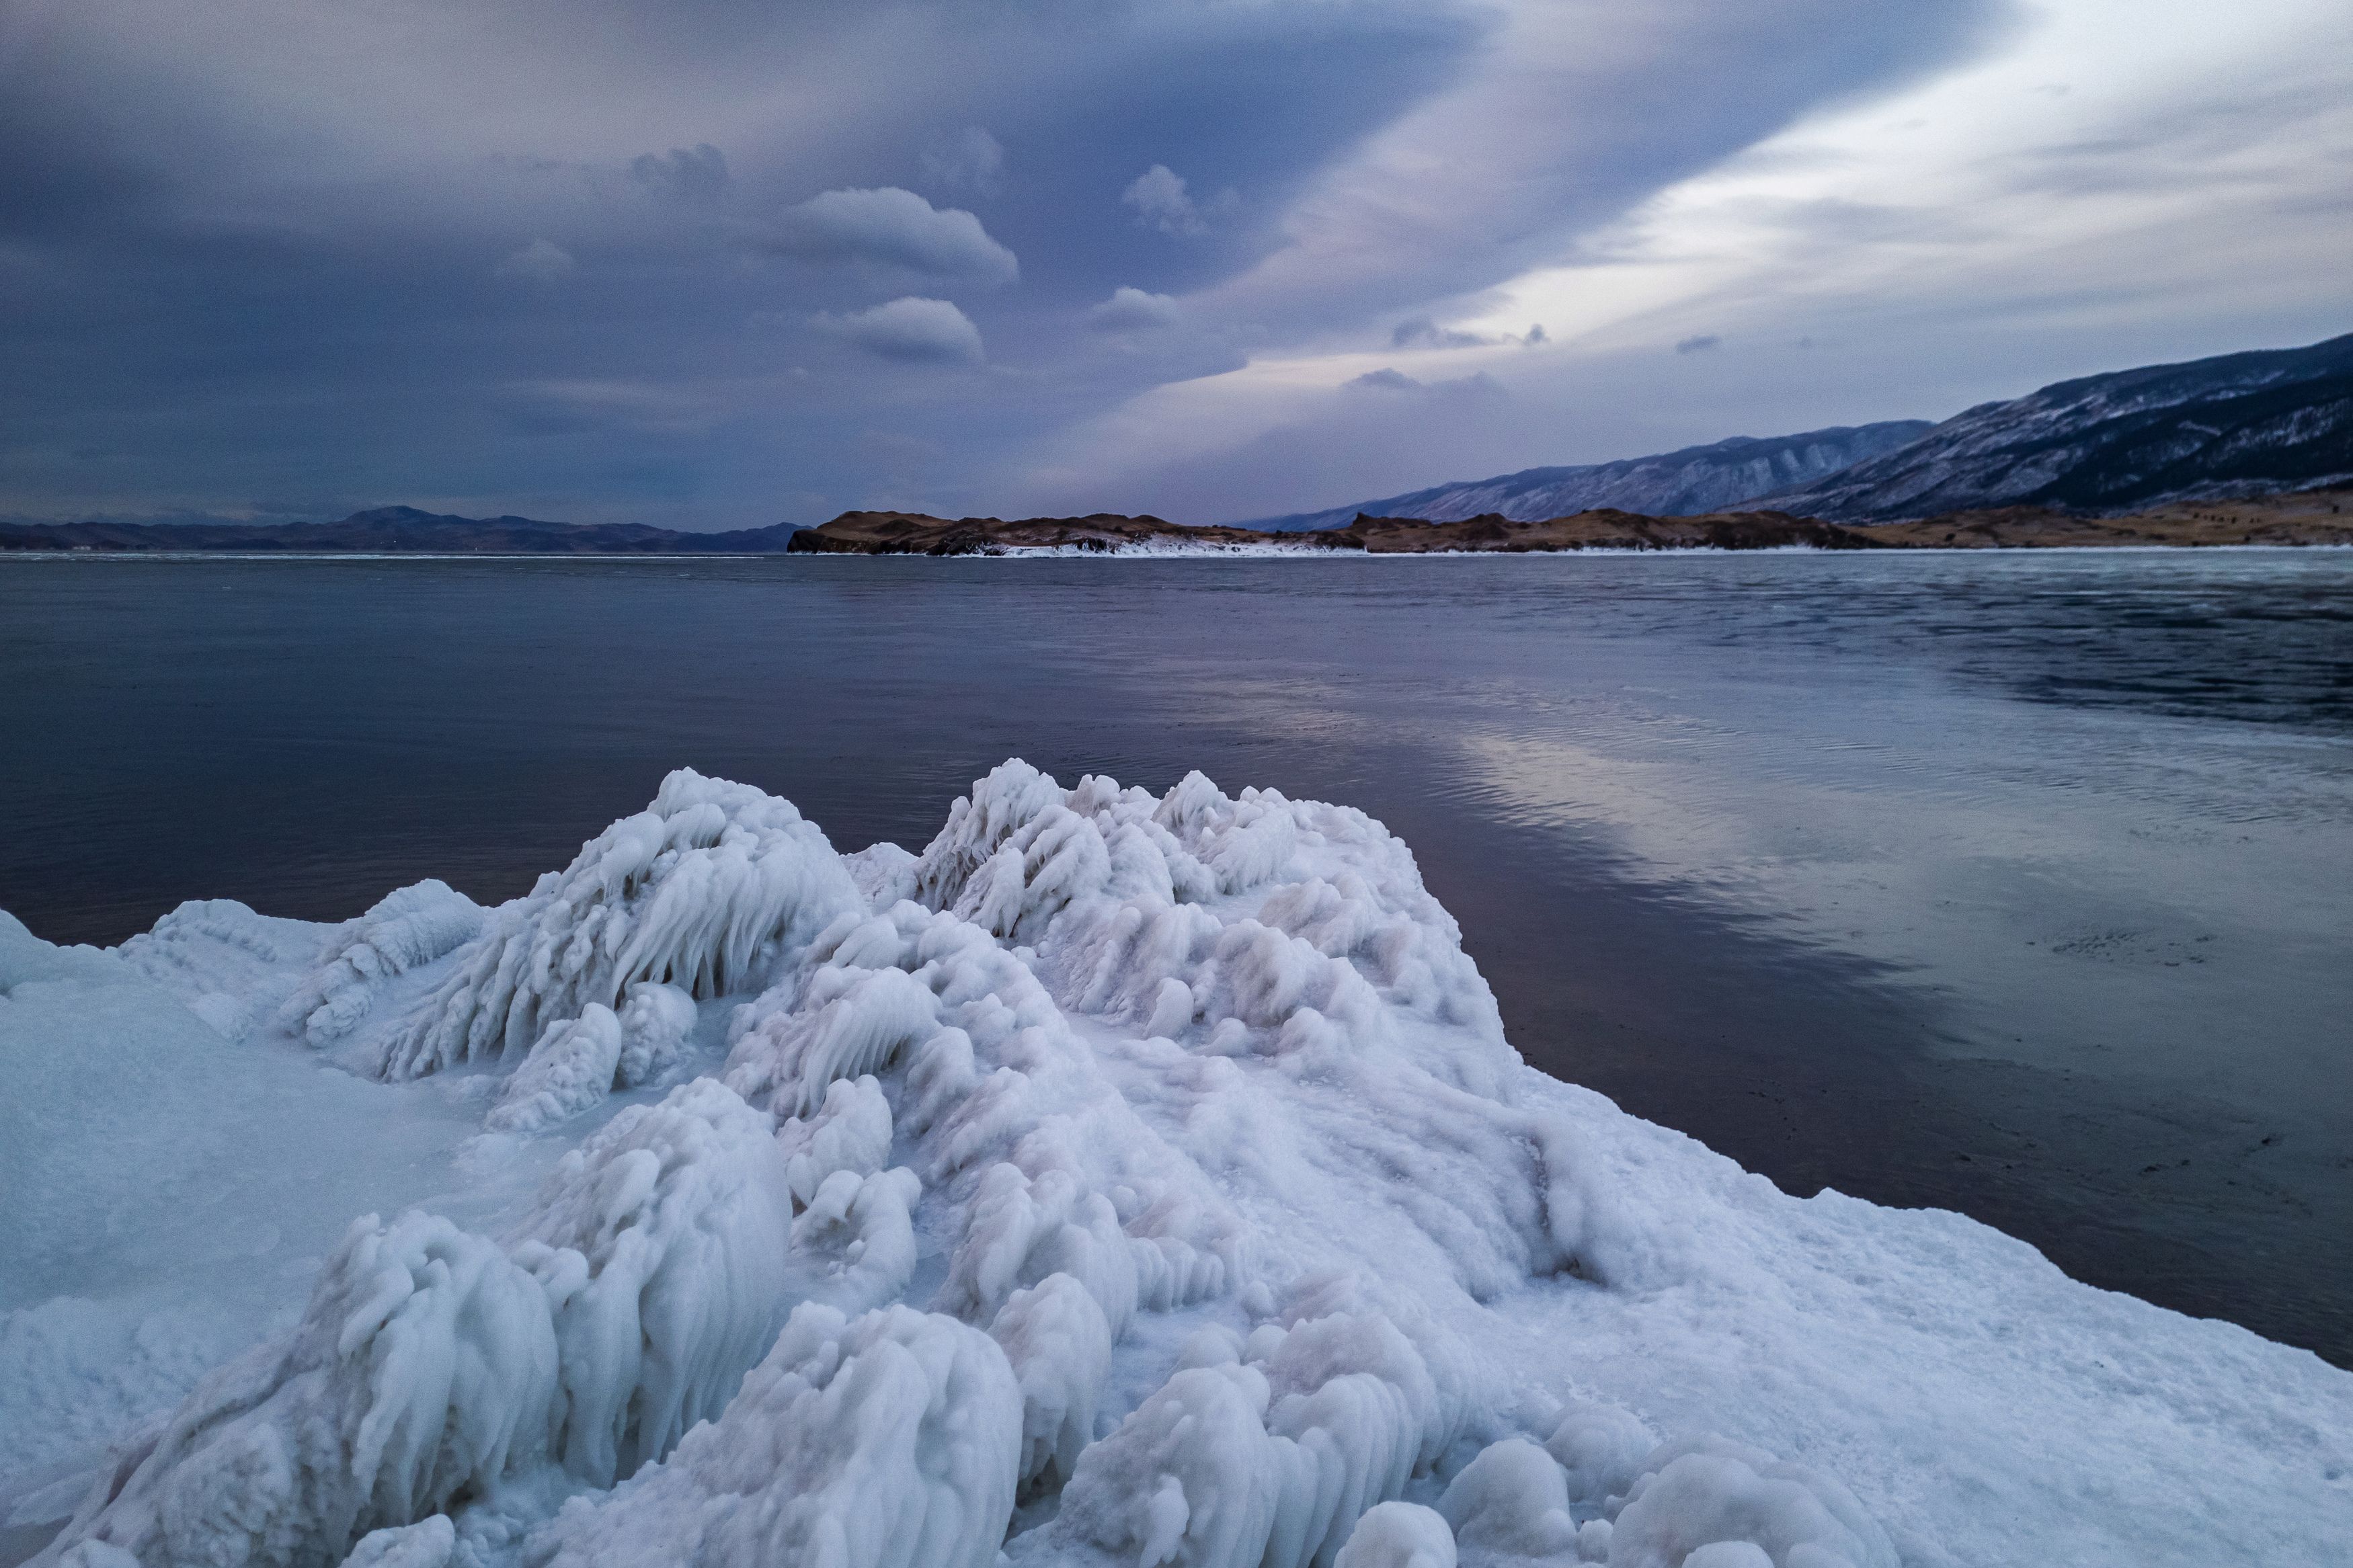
716	264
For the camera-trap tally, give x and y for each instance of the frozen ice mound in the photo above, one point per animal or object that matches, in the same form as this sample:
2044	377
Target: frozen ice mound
890	1440
1124	1179
405	930
661	1246
700	890
425	1367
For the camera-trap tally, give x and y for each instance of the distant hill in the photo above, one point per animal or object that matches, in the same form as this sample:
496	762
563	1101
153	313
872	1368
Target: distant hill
397	531
2240	425
1694	480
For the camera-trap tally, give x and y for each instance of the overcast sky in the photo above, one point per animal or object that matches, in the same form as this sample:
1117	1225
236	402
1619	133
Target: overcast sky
711	263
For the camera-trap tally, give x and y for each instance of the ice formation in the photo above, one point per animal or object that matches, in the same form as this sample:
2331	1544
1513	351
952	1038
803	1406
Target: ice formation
885	1441
705	889
1398	1535
1124	1179
425	1367
406	930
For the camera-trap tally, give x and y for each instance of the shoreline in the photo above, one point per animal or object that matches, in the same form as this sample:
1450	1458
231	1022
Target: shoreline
1052	552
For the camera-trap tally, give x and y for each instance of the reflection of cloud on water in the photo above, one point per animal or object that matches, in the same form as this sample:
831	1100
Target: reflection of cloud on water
1808	858
1964	867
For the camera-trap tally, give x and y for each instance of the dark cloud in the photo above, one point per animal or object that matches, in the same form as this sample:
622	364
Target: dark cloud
1389	379
1133	311
240	274
1700	344
913	330
1421	332
894	228
1162	201
696	173
967	158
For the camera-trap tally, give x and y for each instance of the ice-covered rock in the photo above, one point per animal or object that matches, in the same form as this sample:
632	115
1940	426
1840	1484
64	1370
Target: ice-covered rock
851	1132
657	1021
225	963
1600	1450
891	1440
854	1246
403	931
569	1070
424	1367
1511	1498
662	1244
709	889
428	1544
1398	1535
1711	1493
1059	1345
1267	1463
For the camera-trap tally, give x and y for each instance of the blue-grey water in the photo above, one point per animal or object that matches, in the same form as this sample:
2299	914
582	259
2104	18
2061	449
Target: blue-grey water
2017	884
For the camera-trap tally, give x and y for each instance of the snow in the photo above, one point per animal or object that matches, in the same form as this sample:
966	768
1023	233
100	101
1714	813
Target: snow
1121	1179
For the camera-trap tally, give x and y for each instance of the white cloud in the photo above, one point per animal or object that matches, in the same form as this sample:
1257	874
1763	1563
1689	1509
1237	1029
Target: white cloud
1132	310
542	261
894	228
912	331
1162	202
970	157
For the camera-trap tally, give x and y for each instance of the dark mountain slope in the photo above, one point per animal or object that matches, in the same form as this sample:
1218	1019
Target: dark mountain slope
1687	483
2239	425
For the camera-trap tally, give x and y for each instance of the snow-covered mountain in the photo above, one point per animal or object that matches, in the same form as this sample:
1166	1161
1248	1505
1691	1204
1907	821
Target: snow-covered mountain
2237	424
1667	484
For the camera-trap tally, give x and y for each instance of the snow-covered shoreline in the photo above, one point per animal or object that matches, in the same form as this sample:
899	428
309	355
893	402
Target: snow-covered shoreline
1147	1176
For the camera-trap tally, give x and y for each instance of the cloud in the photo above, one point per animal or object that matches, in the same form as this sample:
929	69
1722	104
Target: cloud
894	228
1894	183
1421	332
1132	310
696	173
542	261
1161	202
912	330
969	158
1390	379
1700	344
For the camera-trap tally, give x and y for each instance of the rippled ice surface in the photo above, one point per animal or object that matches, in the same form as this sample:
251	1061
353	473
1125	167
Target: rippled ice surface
2016	884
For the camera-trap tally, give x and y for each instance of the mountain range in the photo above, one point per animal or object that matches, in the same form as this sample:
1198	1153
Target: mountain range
2114	445
1687	483
2238	424
2103	445
398	530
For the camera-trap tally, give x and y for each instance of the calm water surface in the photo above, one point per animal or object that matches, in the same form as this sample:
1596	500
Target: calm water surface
2012	884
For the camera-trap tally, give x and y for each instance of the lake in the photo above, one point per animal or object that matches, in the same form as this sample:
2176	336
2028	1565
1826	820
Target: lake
2016	883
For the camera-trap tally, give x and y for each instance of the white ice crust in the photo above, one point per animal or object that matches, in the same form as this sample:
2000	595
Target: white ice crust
1124	1179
